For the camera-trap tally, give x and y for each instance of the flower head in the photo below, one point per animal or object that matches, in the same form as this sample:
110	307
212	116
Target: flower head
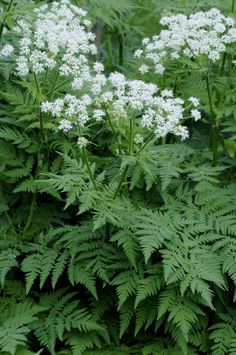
202	33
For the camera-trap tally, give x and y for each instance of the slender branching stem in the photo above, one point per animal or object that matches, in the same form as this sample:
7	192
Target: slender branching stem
44	139
214	129
131	135
10	222
121	50
113	130
45	78
86	161
29	220
222	67
121	182
149	138
36	83
58	86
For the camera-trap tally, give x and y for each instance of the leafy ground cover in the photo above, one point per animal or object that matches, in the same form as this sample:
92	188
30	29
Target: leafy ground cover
117	177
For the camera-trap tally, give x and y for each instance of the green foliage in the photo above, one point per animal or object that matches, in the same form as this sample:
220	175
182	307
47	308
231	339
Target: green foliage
128	248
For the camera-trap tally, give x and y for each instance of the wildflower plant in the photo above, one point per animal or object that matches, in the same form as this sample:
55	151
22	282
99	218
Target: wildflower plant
201	40
117	233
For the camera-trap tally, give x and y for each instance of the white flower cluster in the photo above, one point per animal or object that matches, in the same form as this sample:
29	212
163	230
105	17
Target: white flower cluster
157	112
202	33
122	99
70	109
6	50
58	38
82	142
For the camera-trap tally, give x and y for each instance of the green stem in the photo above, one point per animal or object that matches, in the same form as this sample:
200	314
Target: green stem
194	57
109	49
29	220
10	222
44	139
89	169
121	51
120	182
149	138
36	82
131	134
214	130
222	67
58	86
232	7
3	22
113	130
45	78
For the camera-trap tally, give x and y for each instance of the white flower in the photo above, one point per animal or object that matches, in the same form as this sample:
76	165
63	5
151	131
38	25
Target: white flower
202	33
138	139
143	69
46	106
6	50
138	53
98	115
107	96
161	114
57	37
82	142
159	69
194	101
22	66
98	67
182	132
196	114
65	125
167	93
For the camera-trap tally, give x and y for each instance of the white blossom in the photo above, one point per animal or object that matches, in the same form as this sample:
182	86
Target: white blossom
196	114
144	69
98	67
98	114
56	37
194	101
6	50
202	33
82	142
65	125
138	139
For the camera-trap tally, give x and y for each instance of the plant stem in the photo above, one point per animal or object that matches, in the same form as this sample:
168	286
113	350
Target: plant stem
232	7
36	82
10	223
131	134
58	86
222	67
45	78
113	130
3	22
121	51
29	220
214	130
88	168
44	139
149	138
120	182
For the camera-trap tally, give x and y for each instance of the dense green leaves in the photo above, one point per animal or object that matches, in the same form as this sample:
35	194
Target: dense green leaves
122	247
